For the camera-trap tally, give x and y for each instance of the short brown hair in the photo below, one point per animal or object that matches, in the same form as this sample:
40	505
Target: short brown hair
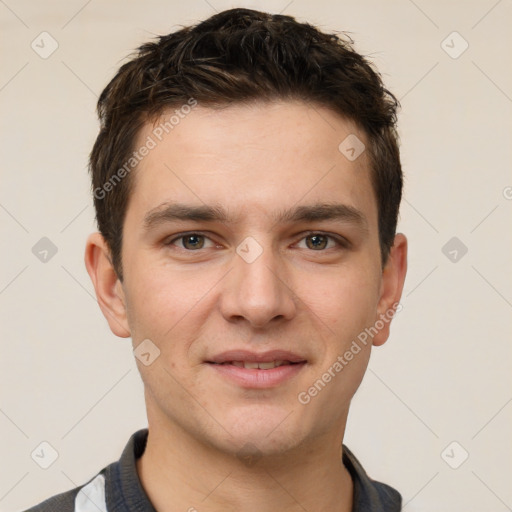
237	56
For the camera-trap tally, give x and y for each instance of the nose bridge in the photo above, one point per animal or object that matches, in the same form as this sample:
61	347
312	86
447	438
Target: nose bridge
256	290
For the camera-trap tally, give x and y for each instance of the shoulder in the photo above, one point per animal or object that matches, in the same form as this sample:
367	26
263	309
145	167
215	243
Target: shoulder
117	483
84	498
370	495
64	502
388	497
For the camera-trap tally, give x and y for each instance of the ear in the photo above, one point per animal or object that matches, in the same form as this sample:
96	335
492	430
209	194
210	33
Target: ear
392	284
109	290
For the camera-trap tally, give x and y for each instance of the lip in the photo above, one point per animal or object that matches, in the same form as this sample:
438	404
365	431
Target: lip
256	357
256	378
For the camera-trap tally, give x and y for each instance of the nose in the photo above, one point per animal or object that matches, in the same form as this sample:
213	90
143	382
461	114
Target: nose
256	290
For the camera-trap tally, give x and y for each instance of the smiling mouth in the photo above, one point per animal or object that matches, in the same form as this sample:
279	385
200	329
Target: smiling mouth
258	365
258	374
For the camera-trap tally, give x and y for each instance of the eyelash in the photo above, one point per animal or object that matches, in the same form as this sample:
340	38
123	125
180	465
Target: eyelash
341	242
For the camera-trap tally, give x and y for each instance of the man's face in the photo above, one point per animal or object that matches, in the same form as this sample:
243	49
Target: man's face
231	291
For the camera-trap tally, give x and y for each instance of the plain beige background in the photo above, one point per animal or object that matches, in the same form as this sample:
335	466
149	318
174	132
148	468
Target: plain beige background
443	377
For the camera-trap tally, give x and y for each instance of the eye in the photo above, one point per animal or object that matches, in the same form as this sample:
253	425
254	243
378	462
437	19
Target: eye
190	241
314	241
320	242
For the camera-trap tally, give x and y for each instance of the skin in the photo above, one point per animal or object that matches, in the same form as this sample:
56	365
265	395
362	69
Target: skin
194	303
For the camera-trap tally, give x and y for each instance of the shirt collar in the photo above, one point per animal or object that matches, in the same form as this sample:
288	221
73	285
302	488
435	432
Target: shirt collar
124	490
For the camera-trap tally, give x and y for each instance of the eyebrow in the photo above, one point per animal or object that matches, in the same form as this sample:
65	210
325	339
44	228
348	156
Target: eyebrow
169	212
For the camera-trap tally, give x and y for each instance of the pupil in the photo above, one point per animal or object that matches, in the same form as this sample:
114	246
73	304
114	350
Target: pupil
195	241
318	238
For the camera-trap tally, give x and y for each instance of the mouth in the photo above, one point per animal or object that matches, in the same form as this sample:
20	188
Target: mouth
254	365
252	370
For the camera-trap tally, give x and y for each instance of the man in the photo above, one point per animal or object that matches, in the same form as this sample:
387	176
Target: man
247	182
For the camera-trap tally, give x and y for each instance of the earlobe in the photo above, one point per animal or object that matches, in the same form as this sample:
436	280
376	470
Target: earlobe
393	278
109	290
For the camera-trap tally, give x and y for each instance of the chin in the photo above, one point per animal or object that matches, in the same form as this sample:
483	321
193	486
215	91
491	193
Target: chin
262	431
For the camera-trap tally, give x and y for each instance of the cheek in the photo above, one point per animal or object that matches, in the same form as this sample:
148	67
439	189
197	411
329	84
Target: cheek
157	302
345	301
342	306
170	308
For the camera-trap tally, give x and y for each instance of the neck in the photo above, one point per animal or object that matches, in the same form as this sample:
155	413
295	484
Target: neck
179	473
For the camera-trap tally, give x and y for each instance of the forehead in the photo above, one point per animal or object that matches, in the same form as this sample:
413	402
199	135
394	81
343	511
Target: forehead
263	157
